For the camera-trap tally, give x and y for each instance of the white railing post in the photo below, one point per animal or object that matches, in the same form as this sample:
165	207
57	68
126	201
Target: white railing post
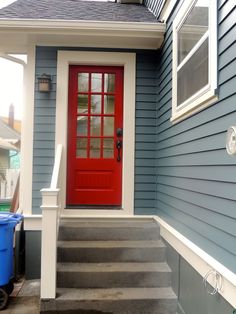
50	222
49	243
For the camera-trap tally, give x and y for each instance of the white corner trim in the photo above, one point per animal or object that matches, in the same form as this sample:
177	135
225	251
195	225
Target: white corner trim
128	60
25	198
199	260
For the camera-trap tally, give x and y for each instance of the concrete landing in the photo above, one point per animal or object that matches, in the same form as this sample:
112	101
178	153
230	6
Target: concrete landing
24	298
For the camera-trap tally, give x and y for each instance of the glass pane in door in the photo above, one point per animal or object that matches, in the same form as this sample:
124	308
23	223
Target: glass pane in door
81	147
109	83
96	82
82	125
109	104
95	144
108	128
96	104
82	104
95	126
83	82
108	148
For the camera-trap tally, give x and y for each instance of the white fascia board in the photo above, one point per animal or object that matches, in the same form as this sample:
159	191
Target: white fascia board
60	25
18	33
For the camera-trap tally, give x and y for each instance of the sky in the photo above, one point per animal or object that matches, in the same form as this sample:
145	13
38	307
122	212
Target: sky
11	87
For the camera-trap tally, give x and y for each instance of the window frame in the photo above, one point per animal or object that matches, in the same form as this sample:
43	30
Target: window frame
206	95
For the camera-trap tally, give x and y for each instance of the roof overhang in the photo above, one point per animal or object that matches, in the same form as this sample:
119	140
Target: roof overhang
17	35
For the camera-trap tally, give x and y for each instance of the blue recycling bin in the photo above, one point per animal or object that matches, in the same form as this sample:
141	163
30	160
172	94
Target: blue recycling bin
8	221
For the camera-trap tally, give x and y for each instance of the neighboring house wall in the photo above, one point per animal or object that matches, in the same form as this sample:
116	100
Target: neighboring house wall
44	129
196	179
4	163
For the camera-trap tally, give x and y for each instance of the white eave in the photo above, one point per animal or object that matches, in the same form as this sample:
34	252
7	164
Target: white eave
137	35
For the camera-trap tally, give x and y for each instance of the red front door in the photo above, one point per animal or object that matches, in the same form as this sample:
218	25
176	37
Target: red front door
95	116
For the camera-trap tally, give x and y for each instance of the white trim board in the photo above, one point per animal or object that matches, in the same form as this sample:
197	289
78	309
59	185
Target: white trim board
128	61
26	174
32	222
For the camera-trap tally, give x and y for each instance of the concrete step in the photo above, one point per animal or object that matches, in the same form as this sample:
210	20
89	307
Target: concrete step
112	301
110	251
112	230
105	275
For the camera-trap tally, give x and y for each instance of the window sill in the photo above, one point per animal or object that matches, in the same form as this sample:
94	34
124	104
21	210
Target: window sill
191	109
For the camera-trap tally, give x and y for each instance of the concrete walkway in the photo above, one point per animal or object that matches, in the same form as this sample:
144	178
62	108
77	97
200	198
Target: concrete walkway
24	298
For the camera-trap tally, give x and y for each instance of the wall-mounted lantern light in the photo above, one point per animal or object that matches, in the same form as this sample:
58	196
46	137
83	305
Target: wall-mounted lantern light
44	83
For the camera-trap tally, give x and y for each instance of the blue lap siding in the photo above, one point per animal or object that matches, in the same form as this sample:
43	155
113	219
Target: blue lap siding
145	145
196	179
44	126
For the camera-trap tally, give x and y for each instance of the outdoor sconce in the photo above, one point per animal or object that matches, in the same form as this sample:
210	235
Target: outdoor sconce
44	83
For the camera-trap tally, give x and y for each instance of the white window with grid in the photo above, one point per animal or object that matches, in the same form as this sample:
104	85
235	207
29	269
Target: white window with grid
194	64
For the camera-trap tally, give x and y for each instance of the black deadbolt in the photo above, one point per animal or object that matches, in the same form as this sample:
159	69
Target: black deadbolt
119	132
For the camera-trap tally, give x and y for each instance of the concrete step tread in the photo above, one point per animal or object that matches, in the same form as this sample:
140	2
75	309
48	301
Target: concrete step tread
111	244
115	294
113	267
109	224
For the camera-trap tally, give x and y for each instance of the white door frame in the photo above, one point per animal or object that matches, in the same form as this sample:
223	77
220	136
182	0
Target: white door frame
128	61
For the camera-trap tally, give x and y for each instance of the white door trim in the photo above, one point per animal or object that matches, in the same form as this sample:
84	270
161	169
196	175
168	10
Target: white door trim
128	61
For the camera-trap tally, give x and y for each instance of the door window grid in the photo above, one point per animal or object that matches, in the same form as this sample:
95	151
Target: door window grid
95	115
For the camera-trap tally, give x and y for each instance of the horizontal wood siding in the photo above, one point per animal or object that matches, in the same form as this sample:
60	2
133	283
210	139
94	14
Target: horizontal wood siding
44	130
145	143
44	126
196	179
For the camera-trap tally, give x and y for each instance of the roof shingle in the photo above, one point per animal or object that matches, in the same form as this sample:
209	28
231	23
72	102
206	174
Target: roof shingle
77	10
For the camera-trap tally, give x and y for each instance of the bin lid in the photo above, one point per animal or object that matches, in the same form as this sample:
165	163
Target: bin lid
6	217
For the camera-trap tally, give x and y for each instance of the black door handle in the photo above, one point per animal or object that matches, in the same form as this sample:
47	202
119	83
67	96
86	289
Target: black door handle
118	146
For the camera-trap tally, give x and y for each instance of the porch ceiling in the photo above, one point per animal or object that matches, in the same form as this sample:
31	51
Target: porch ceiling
17	35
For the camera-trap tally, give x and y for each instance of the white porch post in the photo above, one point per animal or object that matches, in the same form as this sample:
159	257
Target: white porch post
49	242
